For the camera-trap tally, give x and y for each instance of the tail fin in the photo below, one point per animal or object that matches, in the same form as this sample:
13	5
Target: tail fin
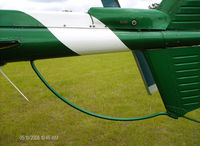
177	74
184	14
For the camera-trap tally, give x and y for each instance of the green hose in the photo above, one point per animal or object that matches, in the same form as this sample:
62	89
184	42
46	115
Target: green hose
194	120
87	112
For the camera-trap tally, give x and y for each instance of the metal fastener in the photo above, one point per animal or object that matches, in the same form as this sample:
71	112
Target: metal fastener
134	22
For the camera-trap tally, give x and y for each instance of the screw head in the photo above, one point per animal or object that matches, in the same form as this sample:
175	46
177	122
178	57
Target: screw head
134	22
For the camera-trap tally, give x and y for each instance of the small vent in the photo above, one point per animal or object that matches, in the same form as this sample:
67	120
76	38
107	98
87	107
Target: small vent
187	71
186	15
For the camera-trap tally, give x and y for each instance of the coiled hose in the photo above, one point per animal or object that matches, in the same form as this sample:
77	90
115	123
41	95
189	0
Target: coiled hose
94	114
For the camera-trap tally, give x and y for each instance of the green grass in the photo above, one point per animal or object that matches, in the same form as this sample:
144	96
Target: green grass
107	84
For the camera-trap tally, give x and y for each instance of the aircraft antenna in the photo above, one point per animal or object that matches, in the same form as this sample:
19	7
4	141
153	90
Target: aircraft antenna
13	85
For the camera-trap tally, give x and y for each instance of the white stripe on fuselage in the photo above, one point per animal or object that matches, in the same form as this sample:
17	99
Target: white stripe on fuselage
74	30
89	41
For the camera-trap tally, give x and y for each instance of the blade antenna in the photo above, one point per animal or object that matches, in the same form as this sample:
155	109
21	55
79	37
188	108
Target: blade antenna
13	85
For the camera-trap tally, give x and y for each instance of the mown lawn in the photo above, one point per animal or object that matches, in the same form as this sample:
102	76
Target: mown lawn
107	84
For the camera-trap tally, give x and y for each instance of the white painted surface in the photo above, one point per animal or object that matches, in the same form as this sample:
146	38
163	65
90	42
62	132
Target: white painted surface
89	41
153	89
78	35
97	23
62	19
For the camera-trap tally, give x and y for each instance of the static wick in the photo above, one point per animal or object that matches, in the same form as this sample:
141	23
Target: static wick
13	85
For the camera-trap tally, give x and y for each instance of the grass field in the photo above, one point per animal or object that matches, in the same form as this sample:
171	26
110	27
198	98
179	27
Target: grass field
107	84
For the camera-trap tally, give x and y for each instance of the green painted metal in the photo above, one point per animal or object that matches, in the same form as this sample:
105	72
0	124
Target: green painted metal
116	18
8	44
184	14
169	6
158	39
34	44
177	74
11	18
40	43
36	41
2	63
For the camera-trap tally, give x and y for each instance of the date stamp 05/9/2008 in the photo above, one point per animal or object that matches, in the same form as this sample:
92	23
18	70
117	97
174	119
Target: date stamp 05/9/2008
37	137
